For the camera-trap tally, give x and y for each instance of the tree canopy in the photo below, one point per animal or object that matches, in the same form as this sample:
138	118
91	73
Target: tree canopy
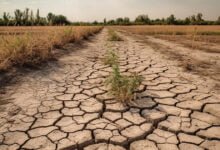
28	18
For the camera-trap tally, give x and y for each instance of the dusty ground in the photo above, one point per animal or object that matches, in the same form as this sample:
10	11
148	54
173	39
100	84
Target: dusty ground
204	62
66	106
206	43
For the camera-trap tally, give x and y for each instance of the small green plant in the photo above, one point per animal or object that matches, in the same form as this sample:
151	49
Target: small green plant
121	86
113	36
110	58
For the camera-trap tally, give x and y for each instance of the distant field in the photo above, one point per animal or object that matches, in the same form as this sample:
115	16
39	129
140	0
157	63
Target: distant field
32	45
172	30
194	48
202	37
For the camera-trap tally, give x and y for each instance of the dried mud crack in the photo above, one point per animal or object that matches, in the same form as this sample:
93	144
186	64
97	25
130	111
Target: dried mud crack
69	107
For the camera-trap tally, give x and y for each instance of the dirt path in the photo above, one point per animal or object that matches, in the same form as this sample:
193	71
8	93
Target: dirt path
67	106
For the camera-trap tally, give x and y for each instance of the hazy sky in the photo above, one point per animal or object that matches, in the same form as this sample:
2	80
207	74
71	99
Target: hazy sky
90	10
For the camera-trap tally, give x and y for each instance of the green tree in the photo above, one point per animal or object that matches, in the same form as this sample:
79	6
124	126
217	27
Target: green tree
193	20
18	17
199	19
217	22
95	22
126	21
142	19
104	21
32	18
171	19
1	22
187	21
42	22
37	21
6	18
119	21
60	20
111	22
26	16
50	18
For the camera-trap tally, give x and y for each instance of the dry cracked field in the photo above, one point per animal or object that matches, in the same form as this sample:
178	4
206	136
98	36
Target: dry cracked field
66	105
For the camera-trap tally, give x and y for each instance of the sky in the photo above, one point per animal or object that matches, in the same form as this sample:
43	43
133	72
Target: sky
90	10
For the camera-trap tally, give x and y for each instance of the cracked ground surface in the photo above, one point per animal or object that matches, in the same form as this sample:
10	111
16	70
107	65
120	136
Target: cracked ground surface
68	107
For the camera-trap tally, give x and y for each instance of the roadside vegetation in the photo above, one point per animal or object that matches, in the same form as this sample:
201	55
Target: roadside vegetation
31	47
122	87
113	36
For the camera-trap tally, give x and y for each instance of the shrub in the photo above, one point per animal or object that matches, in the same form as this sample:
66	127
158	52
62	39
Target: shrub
121	86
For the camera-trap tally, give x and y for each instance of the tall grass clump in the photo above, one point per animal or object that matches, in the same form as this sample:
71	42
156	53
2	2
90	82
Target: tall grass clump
23	50
113	36
60	38
122	87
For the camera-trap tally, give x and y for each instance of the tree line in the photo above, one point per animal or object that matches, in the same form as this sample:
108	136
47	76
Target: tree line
28	18
171	20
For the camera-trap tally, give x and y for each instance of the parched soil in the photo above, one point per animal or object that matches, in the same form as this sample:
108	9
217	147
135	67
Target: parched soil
67	106
203	60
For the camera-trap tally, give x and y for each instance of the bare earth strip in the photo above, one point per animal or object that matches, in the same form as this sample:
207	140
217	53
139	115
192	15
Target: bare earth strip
205	63
68	107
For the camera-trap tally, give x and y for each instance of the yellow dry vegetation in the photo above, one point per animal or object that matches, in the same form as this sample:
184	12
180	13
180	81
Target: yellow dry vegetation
32	45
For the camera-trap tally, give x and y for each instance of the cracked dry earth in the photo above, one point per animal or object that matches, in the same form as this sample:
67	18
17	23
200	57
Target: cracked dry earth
68	107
